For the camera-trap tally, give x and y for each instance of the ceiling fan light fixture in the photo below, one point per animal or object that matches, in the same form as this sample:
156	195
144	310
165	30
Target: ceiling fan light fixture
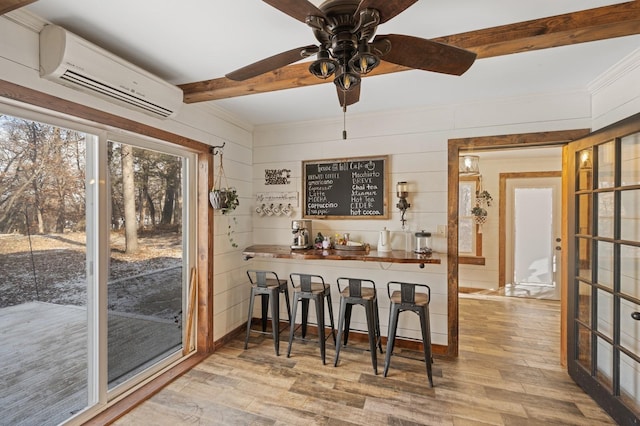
347	80
323	67
364	61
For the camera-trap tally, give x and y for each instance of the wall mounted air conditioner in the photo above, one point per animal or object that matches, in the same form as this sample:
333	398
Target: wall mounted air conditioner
69	60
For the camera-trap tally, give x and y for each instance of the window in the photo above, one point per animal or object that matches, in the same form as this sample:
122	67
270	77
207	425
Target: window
469	236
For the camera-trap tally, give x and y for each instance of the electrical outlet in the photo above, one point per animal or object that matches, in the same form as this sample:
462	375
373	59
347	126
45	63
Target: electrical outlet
442	230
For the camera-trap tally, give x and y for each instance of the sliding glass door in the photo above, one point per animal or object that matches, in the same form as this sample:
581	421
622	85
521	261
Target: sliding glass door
95	256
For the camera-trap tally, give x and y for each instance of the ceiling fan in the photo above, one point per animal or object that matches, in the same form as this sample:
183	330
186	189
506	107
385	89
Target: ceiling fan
349	47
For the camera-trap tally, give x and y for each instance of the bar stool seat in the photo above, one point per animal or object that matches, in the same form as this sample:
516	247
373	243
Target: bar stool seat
308	287
415	298
354	293
267	289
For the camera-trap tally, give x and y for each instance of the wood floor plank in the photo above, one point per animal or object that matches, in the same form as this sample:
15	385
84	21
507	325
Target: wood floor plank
508	373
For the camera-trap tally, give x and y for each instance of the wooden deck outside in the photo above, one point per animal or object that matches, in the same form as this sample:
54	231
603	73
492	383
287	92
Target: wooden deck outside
508	373
43	373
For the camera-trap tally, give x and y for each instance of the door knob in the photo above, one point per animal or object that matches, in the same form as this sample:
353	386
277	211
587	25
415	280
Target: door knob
635	316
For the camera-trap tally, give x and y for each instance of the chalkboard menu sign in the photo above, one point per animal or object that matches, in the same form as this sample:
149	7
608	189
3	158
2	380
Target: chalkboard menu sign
351	188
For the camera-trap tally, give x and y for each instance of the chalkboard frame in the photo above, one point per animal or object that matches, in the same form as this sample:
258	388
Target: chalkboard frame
384	190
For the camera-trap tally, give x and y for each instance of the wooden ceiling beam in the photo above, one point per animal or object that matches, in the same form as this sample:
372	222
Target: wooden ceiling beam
601	23
7	6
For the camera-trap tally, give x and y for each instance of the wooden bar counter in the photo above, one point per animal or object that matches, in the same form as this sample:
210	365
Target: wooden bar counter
285	252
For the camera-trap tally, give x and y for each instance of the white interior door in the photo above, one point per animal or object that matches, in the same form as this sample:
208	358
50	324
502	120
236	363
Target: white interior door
533	231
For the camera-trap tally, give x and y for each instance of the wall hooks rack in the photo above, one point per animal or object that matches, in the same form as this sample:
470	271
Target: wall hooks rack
215	150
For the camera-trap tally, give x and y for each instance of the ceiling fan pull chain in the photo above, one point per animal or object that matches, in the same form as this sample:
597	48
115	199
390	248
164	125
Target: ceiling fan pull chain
344	117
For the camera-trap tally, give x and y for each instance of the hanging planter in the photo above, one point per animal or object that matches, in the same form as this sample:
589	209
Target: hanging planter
483	198
223	198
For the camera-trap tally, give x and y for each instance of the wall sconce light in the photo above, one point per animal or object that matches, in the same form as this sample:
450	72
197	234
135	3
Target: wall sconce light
402	190
469	165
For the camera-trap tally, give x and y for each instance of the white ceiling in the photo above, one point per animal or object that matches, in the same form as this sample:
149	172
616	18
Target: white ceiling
196	40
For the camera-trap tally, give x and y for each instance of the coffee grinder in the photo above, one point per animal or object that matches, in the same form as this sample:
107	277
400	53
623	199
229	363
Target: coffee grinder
301	230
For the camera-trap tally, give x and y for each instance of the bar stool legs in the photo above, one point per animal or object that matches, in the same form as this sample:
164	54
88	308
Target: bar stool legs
357	294
267	289
407	299
304	290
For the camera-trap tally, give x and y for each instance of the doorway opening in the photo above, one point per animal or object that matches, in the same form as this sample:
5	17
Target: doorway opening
507	143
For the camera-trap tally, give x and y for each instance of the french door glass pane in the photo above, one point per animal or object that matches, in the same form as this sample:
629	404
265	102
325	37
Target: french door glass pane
630	160
584	347
605	264
584	214
606	157
605	313
630	215
629	327
604	369
145	285
630	382
630	270
605	214
584	258
43	285
584	178
584	303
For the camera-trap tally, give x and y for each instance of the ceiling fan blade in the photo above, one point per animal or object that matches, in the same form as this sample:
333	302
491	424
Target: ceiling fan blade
428	55
271	63
388	9
349	97
297	9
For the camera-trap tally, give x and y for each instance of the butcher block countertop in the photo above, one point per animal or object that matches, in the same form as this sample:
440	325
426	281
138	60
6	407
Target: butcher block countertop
285	252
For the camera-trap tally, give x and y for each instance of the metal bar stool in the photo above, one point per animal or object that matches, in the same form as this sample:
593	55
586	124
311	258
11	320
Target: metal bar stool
267	288
352	292
304	289
406	298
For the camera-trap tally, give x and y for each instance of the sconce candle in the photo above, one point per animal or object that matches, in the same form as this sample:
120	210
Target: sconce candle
402	190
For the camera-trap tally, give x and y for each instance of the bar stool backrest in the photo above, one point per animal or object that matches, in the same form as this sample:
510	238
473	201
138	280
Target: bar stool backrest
355	285
408	291
305	281
259	278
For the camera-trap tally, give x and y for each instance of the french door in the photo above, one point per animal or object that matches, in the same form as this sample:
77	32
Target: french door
604	276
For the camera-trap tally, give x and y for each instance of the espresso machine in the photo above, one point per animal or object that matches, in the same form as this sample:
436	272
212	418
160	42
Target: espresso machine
301	230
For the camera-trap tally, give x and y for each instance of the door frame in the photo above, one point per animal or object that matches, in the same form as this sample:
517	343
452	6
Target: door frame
502	215
512	141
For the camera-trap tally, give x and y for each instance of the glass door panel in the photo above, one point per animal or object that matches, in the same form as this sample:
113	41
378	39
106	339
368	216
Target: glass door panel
146	277
606	155
605	214
44	352
630	382
605	264
604	369
630	215
630	157
630	271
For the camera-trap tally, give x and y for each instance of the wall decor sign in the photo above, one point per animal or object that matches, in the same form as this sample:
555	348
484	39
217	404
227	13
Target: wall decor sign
277	176
350	188
290	197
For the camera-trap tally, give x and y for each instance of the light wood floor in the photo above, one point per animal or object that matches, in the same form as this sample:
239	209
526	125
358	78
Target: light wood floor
508	373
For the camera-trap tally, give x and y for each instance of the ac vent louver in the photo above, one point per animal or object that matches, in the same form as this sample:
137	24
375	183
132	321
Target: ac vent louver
112	92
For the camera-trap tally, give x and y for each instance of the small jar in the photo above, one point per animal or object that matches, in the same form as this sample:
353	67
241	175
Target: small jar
423	242
326	243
